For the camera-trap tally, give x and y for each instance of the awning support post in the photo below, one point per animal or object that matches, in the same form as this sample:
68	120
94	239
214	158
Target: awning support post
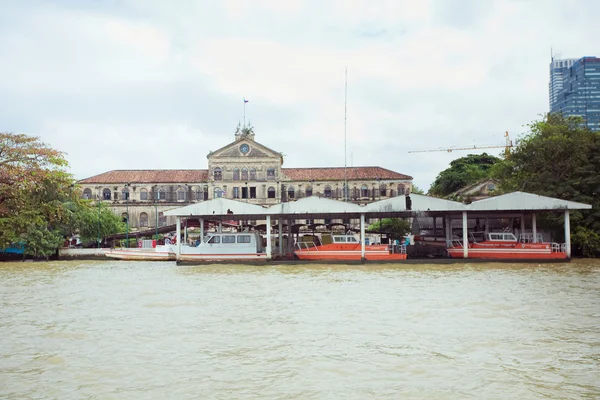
362	236
178	233
534	227
567	234
465	235
201	229
279	230
268	237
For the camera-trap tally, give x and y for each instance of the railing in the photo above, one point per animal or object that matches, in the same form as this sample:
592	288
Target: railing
559	248
396	249
527	237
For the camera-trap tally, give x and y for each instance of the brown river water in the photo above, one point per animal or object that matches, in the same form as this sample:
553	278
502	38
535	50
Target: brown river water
137	330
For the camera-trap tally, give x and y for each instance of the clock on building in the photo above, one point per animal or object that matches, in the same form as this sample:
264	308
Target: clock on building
244	148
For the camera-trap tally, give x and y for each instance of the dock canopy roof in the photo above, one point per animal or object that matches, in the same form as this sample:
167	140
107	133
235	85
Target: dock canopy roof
219	208
419	203
521	201
317	207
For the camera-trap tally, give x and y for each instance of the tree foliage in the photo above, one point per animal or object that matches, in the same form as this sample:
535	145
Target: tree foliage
559	158
39	201
462	172
394	228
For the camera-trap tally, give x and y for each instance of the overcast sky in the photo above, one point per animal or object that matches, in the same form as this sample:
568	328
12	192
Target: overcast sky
148	84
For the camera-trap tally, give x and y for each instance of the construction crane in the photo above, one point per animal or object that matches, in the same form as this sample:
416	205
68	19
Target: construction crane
507	146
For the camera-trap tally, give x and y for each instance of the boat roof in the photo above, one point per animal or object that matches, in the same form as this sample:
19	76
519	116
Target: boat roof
314	205
419	203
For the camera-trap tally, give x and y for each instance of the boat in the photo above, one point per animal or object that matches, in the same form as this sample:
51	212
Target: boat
225	246
346	247
147	250
505	245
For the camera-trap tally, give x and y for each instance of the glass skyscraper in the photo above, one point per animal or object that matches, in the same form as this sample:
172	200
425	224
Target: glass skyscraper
574	89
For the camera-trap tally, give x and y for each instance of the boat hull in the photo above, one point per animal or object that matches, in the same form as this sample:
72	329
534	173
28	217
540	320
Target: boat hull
347	252
223	257
509	253
140	255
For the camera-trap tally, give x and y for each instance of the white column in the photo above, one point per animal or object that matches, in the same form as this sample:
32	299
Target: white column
290	241
522	224
268	237
567	234
185	232
362	236
465	236
178	230
487	226
280	230
201	229
534	228
448	231
220	226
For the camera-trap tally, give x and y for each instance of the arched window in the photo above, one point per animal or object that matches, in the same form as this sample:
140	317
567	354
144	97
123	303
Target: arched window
218	193
382	190
162	194
106	194
125	194
401	189
364	191
244	174
198	193
236	174
143	194
87	193
308	191
143	220
291	192
218	174
271	192
327	191
180	194
162	219
253	174
124	217
345	191
270	174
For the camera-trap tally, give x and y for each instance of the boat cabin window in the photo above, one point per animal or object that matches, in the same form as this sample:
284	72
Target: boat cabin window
503	236
243	239
228	239
214	239
352	239
339	239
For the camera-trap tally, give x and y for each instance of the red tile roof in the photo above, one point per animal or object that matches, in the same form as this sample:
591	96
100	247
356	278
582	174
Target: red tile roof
201	175
352	173
150	176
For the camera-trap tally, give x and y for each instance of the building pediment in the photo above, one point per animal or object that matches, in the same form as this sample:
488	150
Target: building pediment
243	148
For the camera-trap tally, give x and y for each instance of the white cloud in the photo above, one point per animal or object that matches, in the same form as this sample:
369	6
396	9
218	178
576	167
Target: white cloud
150	84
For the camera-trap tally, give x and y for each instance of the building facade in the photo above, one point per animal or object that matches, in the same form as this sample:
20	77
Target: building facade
575	89
243	170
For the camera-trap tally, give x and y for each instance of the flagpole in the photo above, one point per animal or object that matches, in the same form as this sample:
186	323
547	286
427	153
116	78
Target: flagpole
345	118
244	112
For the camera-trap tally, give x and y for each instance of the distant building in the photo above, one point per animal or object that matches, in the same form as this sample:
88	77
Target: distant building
574	89
244	170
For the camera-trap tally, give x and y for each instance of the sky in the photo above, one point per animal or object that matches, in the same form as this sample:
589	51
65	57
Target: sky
152	84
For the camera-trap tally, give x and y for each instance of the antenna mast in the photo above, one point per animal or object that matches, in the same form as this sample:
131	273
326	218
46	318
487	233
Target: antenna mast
345	189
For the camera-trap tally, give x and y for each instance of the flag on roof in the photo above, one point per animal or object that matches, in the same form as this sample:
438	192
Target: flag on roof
245	101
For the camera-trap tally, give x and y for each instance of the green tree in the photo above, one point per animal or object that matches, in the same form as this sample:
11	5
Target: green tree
394	228
417	190
95	220
462	172
39	201
559	158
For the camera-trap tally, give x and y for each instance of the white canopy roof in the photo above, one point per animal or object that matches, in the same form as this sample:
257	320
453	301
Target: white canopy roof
419	203
315	205
525	201
218	207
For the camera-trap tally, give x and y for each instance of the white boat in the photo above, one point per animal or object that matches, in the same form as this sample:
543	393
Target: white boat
225	246
147	250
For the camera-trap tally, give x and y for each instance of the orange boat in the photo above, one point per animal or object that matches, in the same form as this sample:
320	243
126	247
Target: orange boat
347	248
504	245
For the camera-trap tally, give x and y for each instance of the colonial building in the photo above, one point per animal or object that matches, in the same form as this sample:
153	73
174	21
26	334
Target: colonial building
244	170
